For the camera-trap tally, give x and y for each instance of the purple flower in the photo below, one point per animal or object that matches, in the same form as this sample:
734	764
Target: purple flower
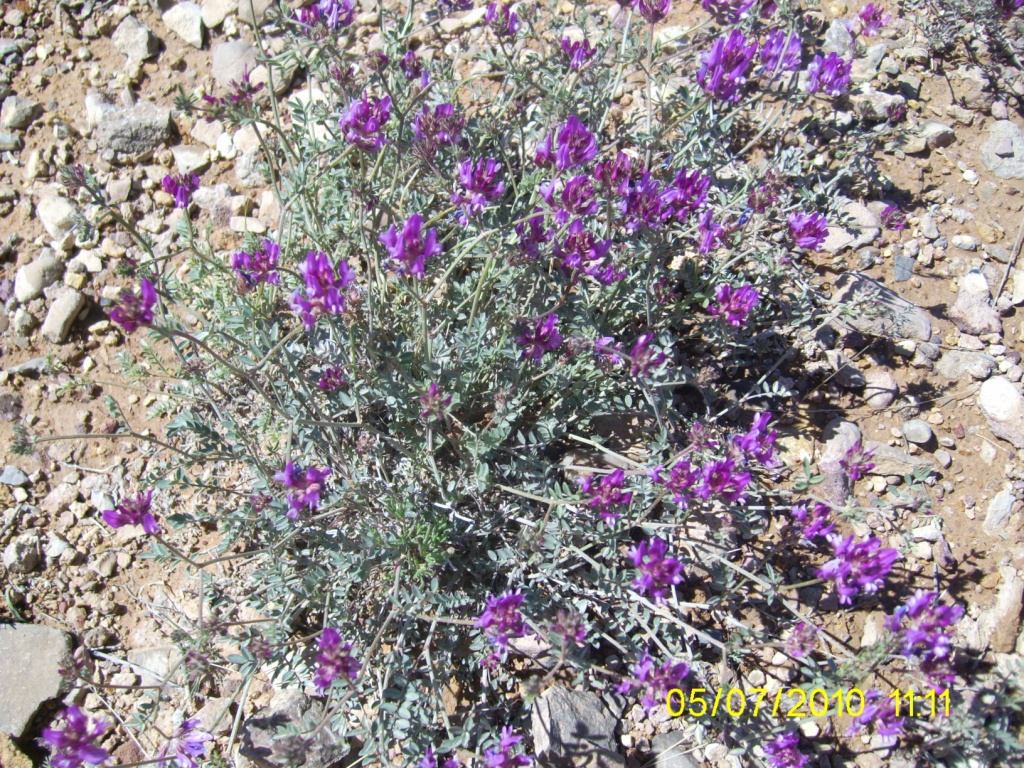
658	572
576	198
569	628
480	187
76	743
133	311
133	511
308	487
856	463
337	13
258	267
412	65
608	351
181	187
532	235
728	11
759	442
734	305
870	20
606	494
187	744
438	128
922	629
687	193
879	711
761	197
724	68
803	640
331	380
364	122
502	757
643	358
654	10
857	566
781	51
412	247
680	480
500	620
655	682
323	288
434	403
576	145
308	17
808	230
830	74
335	660
544	337
644	206
543	156
782	751
893	218
578	52
815	523
615	174
711	232
504	22
720	478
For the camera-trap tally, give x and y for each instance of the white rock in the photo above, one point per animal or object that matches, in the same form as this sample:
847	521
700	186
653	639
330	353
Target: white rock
226	146
186	21
56	214
62	314
32	278
215	11
17	113
246	224
1002	404
134	39
207	131
253	12
230	59
972	312
999	509
190	157
30	676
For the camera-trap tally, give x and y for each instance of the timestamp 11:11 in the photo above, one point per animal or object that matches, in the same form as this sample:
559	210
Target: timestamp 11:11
928	704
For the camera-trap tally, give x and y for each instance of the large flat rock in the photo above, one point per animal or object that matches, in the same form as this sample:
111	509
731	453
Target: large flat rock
29	673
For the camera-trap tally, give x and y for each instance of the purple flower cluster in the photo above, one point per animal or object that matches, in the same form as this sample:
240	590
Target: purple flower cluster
578	52
430	761
308	487
331	380
870	20
724	67
645	205
679	482
780	51
543	337
830	74
856	463
131	310
569	628
922	626
711	232
643	358
479	187
615	174
502	757
412	247
653	11
434	403
180	187
734	305
501	620
187	744
323	288
893	218
575	146
134	511
720	478
759	441
575	198
335	660
364	122
606	494
879	711
857	566
813	523
76	743
337	13
437	128
658	571
782	751
579	249
504	22
802	641
655	682
687	193
808	230
412	68
258	267
532	235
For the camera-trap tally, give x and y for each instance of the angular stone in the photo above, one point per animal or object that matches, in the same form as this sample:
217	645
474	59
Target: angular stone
670	751
972	312
134	39
957	363
574	728
56	214
32	278
253	12
1002	404
999	625
127	129
62	315
23	554
935	134
189	158
1003	153
839	40
17	113
891	316
186	21
154	664
289	708
840	437
13	476
848	376
892	461
999	509
230	59
876	107
215	11
29	676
